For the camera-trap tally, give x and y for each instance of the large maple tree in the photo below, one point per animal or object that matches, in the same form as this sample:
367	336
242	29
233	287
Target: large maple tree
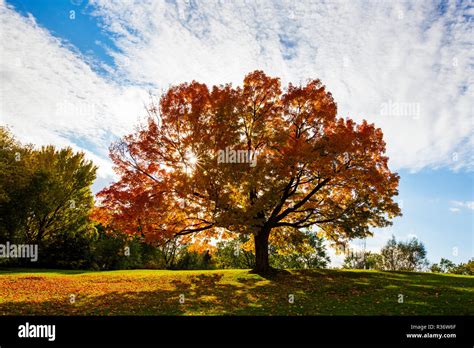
307	168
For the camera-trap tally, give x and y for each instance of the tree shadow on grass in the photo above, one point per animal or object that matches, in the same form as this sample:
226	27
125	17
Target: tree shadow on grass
315	292
378	293
332	292
200	295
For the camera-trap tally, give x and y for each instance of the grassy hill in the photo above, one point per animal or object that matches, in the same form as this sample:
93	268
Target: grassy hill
233	292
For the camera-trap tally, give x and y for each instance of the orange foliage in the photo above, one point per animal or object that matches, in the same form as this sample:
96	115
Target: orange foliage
313	168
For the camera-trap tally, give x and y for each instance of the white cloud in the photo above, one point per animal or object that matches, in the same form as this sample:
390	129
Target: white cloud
398	64
458	205
49	95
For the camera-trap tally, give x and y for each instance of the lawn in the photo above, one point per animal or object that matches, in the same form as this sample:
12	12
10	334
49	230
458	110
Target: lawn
233	292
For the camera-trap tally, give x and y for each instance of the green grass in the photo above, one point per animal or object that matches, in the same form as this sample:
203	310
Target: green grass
233	292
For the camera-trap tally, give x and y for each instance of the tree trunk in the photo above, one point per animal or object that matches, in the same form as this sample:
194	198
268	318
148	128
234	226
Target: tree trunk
262	265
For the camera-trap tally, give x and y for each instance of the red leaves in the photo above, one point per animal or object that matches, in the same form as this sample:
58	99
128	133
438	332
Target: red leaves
315	167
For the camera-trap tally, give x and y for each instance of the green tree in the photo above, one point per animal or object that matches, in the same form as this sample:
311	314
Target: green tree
45	194
61	198
463	268
444	266
230	254
310	254
15	178
403	256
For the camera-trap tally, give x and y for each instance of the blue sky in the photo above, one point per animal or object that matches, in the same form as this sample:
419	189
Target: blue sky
78	73
83	32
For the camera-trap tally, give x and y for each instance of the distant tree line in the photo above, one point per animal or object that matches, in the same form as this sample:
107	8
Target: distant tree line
447	266
403	256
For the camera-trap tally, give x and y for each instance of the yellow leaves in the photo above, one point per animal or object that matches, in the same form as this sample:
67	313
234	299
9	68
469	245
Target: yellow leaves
202	245
289	241
248	245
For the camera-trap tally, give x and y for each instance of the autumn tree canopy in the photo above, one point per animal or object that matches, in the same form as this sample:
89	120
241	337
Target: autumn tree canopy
253	159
